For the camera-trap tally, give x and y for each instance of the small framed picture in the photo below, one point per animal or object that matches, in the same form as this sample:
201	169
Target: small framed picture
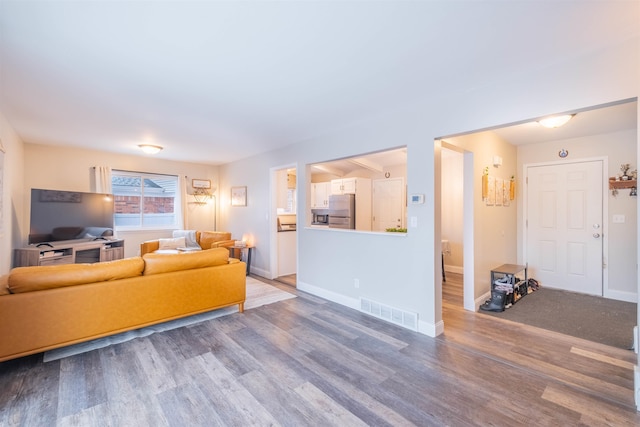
200	183
239	196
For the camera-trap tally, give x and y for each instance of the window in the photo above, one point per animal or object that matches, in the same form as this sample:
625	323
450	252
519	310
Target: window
145	201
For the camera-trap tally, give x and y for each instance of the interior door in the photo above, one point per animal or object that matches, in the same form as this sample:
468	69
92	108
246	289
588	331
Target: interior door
388	204
564	225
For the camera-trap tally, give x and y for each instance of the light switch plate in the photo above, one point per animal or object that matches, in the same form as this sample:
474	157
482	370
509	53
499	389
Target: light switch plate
618	219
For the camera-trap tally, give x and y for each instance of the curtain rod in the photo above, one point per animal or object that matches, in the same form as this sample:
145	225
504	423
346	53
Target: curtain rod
146	173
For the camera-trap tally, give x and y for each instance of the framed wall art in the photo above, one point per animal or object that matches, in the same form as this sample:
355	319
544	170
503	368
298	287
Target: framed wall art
239	196
201	183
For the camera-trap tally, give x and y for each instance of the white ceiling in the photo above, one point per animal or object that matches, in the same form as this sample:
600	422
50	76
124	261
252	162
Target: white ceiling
215	81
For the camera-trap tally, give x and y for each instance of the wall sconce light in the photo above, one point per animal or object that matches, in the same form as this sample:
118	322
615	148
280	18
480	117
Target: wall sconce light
497	161
150	148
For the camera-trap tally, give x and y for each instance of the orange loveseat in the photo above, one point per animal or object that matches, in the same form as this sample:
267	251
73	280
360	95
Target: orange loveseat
204	239
46	307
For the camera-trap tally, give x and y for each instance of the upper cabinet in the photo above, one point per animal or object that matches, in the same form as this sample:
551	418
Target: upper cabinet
286	195
320	195
349	185
291	181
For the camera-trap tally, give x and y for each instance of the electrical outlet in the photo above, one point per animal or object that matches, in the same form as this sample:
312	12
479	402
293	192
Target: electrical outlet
356	283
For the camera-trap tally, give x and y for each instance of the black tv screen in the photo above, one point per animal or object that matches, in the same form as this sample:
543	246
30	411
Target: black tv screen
69	215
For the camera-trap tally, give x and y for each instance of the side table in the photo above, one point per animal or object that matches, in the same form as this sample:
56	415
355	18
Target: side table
241	249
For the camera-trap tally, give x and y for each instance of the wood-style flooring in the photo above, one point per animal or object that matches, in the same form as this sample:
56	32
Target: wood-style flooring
289	279
310	362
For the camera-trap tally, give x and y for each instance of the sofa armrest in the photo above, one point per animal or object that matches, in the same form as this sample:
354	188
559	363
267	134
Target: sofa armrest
149	247
223	244
4	284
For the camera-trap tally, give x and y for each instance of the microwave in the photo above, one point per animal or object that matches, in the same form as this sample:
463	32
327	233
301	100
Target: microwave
319	217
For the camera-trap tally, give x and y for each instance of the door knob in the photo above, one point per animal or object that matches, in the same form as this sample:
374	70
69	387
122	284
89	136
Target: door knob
596	235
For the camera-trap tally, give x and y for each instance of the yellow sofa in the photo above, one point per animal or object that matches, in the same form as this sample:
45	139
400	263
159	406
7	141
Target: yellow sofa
46	307
206	240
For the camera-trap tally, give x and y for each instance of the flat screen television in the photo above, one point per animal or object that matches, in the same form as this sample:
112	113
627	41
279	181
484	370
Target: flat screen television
69	215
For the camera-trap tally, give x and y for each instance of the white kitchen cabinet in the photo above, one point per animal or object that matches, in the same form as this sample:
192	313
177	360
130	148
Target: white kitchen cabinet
350	185
320	195
291	181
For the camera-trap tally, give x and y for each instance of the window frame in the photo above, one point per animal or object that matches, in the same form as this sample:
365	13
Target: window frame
177	201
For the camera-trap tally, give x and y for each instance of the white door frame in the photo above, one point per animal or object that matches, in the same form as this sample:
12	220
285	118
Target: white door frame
272	217
605	210
468	242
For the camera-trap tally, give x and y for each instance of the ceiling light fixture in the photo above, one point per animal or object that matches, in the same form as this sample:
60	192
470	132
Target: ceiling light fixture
150	149
555	121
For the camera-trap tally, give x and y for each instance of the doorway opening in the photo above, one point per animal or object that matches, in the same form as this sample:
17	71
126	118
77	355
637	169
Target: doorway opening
284	242
452	224
609	132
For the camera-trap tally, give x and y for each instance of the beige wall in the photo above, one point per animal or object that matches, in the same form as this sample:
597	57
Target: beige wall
12	193
66	168
495	227
620	254
452	224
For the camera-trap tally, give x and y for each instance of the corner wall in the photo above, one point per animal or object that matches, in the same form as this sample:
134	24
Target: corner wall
403	271
12	218
70	168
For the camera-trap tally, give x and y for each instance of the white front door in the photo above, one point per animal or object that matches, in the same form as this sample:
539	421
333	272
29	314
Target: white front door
388	204
564	226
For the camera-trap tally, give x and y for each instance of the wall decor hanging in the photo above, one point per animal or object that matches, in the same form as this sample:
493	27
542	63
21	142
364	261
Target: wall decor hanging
239	196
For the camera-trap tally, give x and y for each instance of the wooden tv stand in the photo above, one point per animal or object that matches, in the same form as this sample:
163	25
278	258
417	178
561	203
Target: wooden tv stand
69	252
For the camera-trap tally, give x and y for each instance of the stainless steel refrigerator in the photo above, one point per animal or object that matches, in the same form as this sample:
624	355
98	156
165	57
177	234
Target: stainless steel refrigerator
342	211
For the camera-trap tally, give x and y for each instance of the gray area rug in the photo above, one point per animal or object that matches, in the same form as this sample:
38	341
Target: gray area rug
593	318
258	294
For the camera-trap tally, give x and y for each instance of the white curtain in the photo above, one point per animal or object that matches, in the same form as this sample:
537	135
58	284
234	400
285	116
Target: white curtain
102	179
183	201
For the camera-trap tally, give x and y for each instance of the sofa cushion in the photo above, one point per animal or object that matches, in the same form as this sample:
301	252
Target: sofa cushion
207	238
190	237
38	278
156	263
4	285
174	243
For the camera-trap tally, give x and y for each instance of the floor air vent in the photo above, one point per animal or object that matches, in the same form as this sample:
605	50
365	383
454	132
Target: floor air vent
403	318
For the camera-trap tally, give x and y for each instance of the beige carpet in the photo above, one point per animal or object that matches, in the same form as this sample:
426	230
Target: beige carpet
258	294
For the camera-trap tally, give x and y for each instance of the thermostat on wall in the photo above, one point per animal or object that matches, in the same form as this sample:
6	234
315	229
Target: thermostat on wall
416	199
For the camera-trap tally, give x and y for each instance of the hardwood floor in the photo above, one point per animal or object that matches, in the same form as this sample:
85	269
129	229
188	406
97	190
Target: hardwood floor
310	362
289	279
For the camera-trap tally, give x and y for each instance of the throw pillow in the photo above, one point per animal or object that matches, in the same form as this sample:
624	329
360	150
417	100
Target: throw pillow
175	243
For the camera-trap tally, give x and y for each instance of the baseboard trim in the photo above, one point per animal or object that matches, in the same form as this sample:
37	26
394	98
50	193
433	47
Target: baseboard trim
424	328
430	329
330	295
260	272
453	269
481	300
621	296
